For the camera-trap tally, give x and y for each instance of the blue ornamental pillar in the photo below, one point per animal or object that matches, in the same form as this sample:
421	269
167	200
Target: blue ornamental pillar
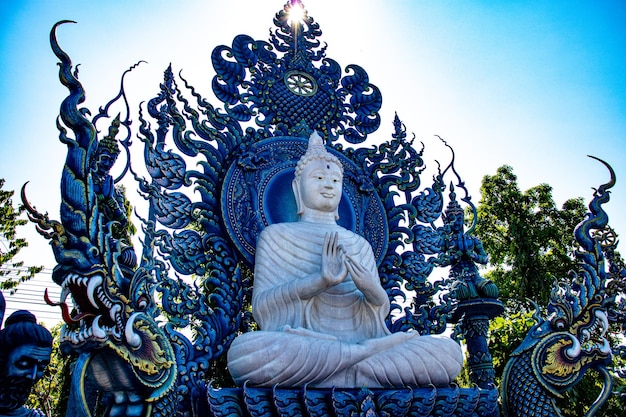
473	317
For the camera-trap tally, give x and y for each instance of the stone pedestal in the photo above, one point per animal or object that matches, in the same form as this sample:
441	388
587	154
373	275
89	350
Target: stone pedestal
474	316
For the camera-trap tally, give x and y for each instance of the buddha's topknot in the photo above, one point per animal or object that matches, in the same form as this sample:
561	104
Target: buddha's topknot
315	150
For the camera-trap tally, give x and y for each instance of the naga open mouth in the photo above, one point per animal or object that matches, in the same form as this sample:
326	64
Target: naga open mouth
592	337
590	340
95	318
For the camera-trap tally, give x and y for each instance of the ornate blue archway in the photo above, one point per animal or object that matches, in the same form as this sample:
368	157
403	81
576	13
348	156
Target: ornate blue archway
207	172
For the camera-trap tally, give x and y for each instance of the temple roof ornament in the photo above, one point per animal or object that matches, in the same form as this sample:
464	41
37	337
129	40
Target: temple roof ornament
290	80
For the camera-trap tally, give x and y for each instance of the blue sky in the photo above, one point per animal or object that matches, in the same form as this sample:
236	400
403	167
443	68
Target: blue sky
537	85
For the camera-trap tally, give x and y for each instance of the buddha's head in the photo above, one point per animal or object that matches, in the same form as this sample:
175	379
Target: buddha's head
317	185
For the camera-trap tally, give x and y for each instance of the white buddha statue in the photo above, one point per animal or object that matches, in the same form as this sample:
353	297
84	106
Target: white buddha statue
320	306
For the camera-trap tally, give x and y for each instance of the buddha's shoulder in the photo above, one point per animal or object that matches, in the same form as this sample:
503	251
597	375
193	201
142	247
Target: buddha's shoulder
308	229
279	228
287	228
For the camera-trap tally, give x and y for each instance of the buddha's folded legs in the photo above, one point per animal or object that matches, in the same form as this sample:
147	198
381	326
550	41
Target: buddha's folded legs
265	358
420	361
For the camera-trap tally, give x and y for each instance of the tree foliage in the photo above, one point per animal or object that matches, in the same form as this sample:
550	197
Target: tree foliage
529	240
12	272
505	334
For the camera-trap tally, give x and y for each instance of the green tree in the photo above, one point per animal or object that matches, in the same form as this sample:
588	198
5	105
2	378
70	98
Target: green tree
529	240
12	272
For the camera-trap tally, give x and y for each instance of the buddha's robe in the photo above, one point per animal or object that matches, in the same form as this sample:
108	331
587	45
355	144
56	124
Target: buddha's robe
335	338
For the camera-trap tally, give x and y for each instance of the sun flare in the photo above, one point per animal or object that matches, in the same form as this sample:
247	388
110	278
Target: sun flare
296	12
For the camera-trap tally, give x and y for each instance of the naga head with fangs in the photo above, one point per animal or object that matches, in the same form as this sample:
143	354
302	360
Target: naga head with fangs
112	318
559	349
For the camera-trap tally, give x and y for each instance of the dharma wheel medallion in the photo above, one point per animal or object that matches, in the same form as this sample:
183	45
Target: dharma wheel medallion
300	83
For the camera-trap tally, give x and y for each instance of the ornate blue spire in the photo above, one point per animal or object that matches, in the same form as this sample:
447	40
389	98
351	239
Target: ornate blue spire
289	81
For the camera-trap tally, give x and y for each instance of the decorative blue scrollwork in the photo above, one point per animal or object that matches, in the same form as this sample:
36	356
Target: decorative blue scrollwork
322	402
290	81
206	172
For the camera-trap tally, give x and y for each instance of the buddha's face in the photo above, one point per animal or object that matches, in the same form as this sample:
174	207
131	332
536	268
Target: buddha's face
320	185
